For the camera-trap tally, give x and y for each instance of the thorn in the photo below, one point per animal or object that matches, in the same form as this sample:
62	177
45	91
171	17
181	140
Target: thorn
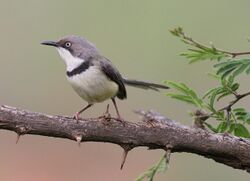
124	157
21	130
18	137
126	149
168	153
79	139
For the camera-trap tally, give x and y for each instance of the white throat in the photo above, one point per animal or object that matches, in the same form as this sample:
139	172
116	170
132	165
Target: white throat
70	61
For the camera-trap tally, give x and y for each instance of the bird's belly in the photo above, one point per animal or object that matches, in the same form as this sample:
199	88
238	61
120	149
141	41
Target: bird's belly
93	86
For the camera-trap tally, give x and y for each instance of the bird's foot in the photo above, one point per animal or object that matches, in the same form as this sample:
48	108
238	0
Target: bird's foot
77	117
121	120
106	116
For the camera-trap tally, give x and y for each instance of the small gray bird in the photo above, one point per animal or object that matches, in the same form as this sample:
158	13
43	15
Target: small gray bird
92	76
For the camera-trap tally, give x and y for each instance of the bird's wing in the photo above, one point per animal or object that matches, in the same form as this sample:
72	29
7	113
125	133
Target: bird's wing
113	74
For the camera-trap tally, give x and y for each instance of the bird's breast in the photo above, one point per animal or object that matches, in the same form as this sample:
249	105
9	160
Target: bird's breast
93	85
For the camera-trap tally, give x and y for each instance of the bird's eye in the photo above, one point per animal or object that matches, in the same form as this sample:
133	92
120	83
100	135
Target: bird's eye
67	44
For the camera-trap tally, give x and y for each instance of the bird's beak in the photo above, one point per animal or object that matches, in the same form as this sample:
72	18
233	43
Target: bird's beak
50	43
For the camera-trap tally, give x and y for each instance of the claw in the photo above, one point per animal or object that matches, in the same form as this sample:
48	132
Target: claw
76	117
121	120
106	115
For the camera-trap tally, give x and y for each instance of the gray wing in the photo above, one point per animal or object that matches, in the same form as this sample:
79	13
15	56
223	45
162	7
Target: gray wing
113	74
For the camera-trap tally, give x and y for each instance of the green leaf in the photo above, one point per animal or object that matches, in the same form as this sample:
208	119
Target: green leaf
222	127
233	67
223	95
220	116
214	94
209	92
239	110
228	82
186	94
211	127
202	53
242	115
161	166
235	86
248	121
239	70
226	63
180	97
227	67
227	72
232	127
228	88
179	87
241	131
248	69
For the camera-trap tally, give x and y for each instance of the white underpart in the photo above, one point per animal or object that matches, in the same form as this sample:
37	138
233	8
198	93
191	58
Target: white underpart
92	85
70	61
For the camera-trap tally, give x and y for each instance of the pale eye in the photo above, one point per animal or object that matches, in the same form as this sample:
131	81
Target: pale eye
67	44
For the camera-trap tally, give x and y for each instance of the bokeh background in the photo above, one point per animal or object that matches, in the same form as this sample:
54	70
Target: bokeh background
134	35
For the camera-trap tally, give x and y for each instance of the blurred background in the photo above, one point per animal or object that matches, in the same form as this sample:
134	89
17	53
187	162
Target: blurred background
134	36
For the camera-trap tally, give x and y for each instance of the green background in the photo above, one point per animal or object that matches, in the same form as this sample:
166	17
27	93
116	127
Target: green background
134	35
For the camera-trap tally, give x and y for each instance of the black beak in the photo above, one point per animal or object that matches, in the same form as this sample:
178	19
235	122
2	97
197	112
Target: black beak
50	43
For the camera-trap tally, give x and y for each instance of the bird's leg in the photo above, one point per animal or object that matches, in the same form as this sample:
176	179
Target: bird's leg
77	115
107	110
106	115
119	118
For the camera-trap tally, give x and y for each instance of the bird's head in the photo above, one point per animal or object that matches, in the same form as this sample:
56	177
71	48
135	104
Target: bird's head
74	50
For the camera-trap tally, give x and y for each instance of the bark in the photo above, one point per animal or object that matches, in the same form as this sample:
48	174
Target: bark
153	131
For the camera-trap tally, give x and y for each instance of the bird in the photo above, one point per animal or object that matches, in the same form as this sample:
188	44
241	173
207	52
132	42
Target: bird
93	76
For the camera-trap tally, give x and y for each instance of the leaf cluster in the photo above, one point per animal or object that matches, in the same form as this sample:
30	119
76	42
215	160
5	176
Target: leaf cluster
233	67
231	120
227	69
227	87
198	52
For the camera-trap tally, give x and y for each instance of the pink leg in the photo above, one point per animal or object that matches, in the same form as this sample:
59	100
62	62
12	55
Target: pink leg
77	115
119	118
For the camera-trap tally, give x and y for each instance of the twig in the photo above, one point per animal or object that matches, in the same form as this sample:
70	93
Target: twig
179	32
238	97
227	108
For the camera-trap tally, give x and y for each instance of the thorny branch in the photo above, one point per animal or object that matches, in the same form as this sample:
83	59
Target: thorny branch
153	131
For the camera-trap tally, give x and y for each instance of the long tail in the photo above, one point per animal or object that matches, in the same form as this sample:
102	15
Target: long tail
144	85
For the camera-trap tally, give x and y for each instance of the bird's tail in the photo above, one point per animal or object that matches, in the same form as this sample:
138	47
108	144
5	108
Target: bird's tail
144	85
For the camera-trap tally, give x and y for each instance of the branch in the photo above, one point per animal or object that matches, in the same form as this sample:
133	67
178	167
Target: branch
154	131
238	97
201	117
